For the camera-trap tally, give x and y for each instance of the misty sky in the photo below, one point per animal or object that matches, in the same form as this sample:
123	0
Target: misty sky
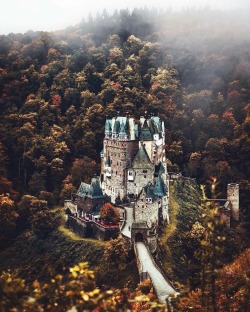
48	15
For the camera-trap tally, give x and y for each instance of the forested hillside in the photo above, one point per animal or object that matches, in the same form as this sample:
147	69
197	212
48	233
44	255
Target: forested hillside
57	88
192	68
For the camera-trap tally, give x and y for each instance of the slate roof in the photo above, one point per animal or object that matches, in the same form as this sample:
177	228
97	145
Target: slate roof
149	190
142	159
146	135
108	125
116	128
122	129
159	188
92	190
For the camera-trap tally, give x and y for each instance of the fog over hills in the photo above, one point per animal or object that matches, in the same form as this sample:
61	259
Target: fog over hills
21	16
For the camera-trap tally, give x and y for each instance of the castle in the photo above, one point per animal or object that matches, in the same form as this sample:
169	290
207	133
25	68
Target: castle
133	166
133	175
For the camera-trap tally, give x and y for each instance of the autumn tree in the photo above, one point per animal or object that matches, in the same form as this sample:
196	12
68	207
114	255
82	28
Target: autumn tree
44	222
83	170
73	291
24	211
8	220
109	213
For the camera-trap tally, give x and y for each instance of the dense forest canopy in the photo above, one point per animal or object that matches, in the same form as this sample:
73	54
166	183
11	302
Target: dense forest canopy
190	67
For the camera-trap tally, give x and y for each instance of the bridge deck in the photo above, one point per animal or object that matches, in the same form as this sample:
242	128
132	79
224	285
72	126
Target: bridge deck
161	285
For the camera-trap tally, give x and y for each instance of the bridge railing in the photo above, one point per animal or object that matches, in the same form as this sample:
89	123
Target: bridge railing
143	274
158	268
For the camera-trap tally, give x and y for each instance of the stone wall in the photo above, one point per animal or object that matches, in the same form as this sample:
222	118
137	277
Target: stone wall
102	233
141	179
121	154
90	229
146	211
233	197
80	227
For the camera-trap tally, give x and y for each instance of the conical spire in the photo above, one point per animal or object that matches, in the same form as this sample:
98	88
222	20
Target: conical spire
116	129
146	135
122	129
159	188
108	126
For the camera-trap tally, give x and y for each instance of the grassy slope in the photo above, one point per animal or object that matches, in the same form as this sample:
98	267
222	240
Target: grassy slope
32	258
184	212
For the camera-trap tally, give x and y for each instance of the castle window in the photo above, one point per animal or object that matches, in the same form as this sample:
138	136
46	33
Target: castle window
142	206
130	173
144	171
144	176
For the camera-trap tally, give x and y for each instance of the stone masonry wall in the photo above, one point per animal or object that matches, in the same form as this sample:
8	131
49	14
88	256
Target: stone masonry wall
91	229
121	154
233	197
145	211
141	178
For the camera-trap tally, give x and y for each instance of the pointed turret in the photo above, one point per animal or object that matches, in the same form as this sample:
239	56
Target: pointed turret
108	129
146	135
159	188
123	136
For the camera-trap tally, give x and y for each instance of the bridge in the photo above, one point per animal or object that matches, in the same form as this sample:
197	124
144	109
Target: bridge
148	267
145	262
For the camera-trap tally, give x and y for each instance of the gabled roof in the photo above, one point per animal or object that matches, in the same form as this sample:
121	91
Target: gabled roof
146	135
92	190
142	159
159	188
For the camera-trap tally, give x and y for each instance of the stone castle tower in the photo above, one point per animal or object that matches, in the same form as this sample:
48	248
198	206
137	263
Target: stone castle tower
133	166
233	197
